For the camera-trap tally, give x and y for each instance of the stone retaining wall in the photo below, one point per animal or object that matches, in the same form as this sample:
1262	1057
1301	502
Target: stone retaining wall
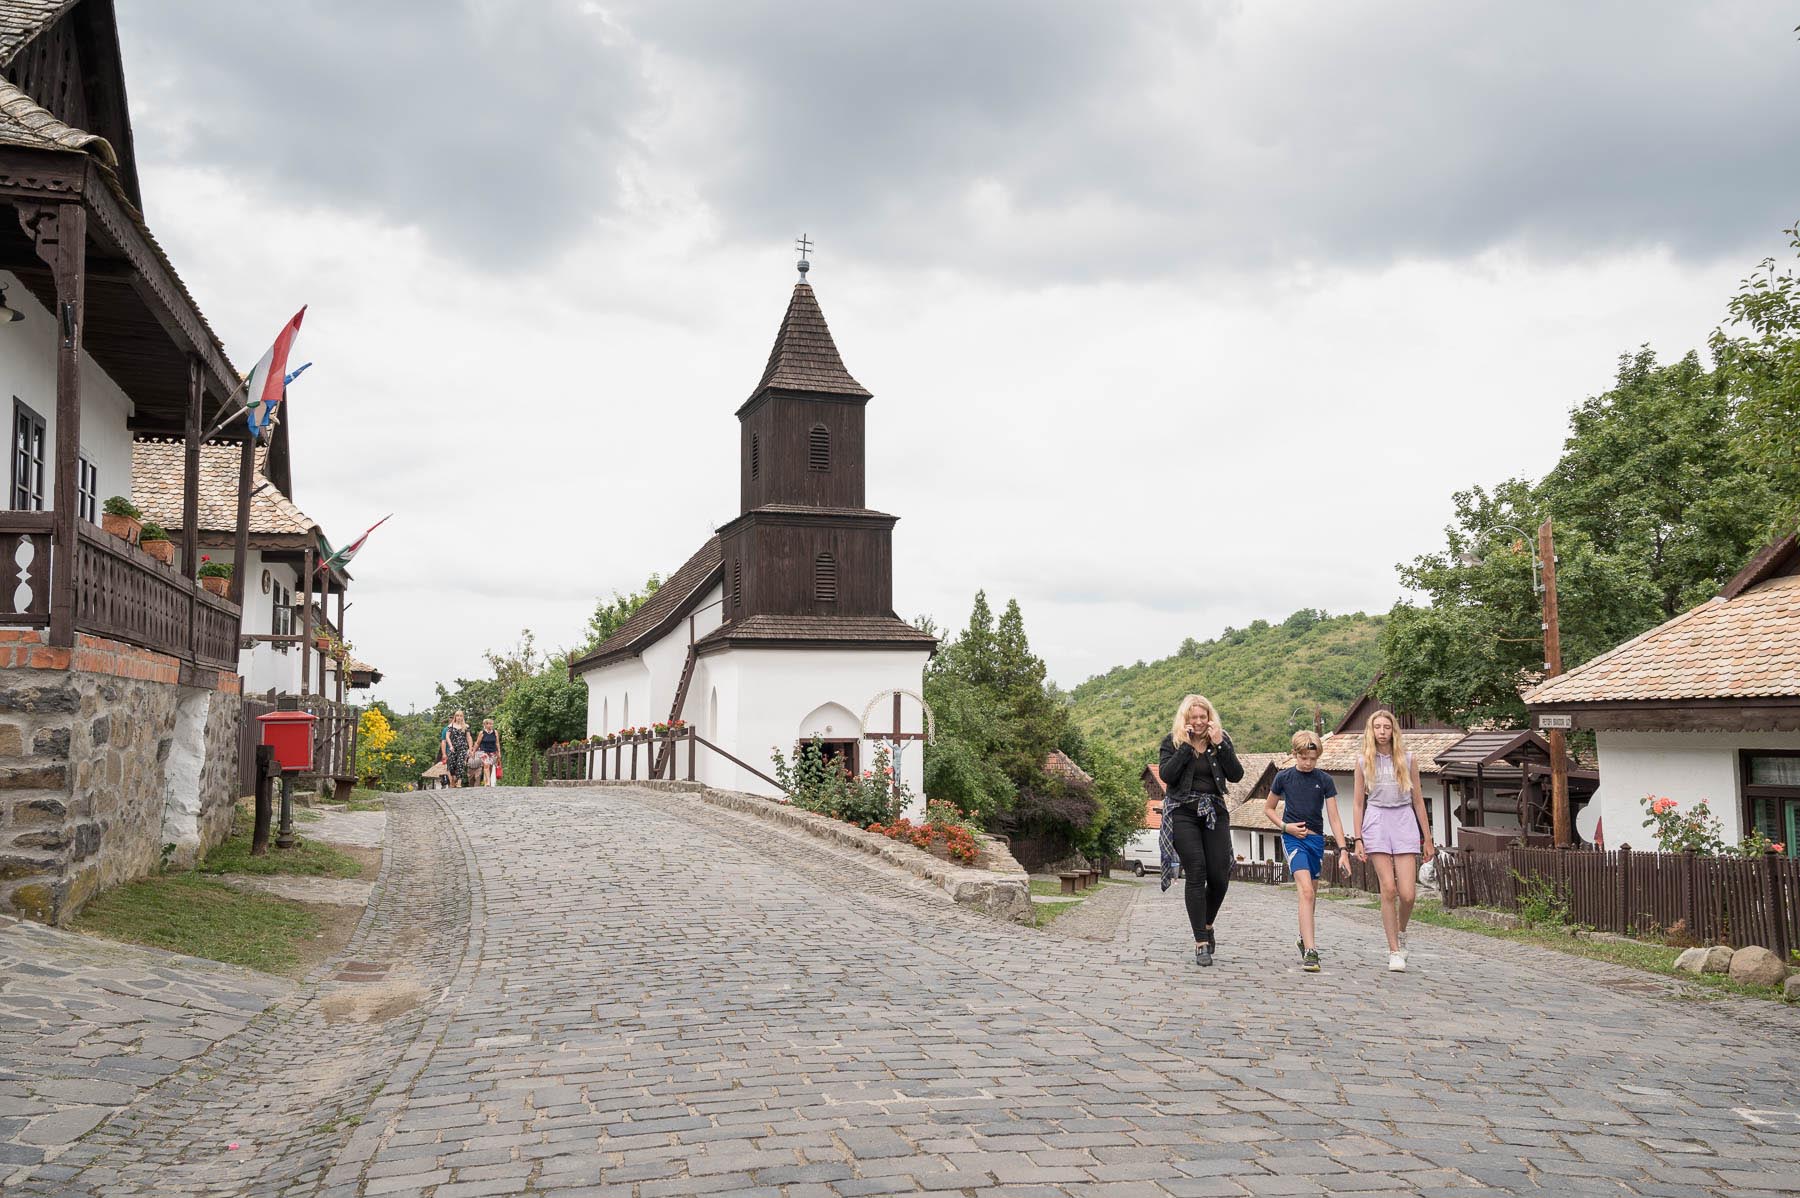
999	888
100	769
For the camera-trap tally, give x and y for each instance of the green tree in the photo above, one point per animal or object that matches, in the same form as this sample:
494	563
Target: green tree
1760	371
1653	509
610	614
541	709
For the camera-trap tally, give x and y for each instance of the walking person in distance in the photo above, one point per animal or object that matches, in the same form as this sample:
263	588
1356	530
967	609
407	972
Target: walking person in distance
1197	763
455	748
1388	808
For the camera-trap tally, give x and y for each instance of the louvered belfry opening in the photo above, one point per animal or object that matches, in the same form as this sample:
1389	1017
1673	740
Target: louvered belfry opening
755	455
818	448
825	578
737	583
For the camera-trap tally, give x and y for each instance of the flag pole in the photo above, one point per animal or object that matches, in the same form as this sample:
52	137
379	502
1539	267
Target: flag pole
233	415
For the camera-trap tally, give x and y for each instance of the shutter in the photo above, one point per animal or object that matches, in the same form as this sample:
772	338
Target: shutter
755	455
818	448
737	582
825	578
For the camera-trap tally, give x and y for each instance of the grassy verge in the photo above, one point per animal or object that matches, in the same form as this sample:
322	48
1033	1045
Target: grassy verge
1046	912
307	858
365	800
186	913
1647	955
1052	890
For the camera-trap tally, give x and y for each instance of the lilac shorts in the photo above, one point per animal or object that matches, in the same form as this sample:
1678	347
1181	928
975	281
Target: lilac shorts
1390	830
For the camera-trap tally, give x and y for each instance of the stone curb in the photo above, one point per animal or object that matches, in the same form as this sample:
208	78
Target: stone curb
1001	890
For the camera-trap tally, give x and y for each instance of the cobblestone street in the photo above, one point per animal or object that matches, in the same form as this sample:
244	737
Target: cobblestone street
618	992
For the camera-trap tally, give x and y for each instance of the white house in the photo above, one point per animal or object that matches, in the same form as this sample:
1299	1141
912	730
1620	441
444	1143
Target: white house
1706	706
781	627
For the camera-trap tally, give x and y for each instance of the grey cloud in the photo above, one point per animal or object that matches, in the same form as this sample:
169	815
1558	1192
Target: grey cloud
1142	138
495	127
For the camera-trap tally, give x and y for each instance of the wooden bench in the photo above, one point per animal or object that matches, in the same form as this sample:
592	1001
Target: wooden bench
1069	882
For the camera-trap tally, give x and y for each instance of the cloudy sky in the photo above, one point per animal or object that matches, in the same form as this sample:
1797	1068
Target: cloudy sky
1176	314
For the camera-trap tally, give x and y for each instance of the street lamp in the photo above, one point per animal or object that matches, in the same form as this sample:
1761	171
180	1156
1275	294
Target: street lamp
1543	581
1534	553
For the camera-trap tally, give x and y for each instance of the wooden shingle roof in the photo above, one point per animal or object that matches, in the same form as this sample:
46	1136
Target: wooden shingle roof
1742	648
804	357
25	122
158	468
773	629
672	599
22	20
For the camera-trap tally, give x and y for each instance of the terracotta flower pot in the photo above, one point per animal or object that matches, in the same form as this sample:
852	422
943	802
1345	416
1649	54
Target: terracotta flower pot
125	527
163	550
218	586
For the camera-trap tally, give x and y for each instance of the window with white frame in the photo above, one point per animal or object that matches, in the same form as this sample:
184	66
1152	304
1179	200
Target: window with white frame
87	489
27	458
281	616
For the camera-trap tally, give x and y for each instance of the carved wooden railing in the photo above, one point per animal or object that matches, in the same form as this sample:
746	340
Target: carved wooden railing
334	736
121	593
615	758
25	568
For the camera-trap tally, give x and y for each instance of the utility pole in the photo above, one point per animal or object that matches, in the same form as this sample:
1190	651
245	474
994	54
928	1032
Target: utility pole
1560	823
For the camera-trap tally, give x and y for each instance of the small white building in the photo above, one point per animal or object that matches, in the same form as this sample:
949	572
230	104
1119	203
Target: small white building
1704	707
781	627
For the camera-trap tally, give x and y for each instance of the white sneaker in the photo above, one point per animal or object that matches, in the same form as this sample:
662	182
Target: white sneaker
1396	962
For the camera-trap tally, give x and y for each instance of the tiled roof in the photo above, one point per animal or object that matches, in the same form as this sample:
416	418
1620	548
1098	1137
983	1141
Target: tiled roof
804	357
884	629
1059	765
1339	750
686	584
1742	648
22	20
158	468
24	122
1245	802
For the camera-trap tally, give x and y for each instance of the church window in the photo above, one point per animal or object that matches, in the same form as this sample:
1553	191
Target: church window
755	455
825	578
737	582
818	449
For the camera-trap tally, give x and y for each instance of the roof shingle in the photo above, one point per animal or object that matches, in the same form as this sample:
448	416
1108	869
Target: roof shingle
1742	648
804	357
158	469
771	627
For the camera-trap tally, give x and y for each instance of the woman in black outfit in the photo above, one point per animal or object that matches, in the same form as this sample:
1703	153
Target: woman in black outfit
1197	762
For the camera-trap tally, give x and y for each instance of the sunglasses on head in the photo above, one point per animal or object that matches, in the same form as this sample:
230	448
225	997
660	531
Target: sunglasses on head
1307	749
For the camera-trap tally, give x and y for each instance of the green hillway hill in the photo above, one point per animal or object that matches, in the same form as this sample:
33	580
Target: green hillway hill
1256	676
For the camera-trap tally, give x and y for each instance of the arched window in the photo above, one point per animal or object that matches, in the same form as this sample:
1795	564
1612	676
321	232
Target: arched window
737	582
755	455
825	578
818	448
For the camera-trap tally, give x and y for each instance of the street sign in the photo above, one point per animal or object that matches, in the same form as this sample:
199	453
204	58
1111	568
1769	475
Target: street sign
1548	722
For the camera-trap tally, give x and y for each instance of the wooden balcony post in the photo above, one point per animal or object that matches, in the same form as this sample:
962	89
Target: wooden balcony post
59	234
342	665
241	547
306	625
190	505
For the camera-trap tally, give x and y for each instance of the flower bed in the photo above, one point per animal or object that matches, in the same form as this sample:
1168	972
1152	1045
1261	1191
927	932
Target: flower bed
946	832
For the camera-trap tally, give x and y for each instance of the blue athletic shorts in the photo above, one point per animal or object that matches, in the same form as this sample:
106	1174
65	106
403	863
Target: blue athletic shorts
1307	854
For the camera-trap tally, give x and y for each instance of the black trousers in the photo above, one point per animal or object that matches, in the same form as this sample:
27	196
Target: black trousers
1206	858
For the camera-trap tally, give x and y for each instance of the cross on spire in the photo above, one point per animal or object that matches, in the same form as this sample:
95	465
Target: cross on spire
802	246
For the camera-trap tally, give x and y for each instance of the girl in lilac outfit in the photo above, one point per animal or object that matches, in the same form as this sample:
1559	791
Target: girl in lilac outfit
1388	807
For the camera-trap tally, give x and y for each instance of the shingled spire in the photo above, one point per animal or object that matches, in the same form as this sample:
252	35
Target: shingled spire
804	357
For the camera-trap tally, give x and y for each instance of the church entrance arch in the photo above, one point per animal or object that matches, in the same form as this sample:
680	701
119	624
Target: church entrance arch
839	733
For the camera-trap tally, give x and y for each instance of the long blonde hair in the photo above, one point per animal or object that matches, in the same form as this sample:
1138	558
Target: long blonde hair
1396	750
1179	732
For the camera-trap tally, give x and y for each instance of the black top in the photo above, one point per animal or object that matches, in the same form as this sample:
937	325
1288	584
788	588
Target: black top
1186	772
490	741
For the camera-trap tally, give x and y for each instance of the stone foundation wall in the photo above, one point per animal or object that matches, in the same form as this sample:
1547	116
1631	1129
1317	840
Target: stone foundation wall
85	774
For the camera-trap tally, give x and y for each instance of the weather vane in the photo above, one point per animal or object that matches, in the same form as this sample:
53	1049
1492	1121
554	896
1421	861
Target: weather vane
803	246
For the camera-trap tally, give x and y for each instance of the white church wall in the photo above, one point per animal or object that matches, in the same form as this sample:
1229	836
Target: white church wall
640	691
783	687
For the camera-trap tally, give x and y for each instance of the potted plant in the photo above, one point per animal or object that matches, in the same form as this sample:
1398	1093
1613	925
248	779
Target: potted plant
154	540
215	576
121	518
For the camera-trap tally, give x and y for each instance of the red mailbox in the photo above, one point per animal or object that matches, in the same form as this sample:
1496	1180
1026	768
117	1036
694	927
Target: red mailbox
290	734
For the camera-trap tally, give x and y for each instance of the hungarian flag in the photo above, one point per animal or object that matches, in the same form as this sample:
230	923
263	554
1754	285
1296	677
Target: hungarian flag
336	560
268	382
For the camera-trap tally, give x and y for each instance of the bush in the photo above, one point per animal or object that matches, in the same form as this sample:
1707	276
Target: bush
1541	904
118	505
947	832
211	569
820	784
152	531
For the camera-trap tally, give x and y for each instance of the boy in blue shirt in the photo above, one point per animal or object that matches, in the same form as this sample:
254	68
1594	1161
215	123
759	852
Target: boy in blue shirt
1307	795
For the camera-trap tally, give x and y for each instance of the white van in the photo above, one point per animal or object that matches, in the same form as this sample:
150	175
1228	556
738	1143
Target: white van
1143	852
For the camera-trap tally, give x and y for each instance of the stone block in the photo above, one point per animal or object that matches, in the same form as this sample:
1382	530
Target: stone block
33	777
1790	989
1718	959
1692	961
37	812
12	740
87	841
14	866
40	700
49	742
1757	966
100	731
35	900
44	838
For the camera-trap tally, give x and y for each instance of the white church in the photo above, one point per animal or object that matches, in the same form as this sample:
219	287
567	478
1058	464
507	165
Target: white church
781	627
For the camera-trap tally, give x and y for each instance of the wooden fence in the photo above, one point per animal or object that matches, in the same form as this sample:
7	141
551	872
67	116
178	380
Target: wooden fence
1276	873
1718	900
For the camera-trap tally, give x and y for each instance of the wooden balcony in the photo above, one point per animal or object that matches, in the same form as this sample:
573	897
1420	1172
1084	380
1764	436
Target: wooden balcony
118	592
